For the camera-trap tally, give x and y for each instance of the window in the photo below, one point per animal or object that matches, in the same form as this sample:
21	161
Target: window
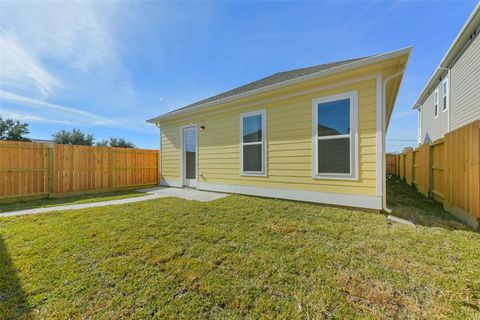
445	94
252	145
335	136
435	104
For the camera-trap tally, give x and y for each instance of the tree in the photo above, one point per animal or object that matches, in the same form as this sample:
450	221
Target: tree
102	143
61	137
13	130
121	143
79	138
75	137
115	142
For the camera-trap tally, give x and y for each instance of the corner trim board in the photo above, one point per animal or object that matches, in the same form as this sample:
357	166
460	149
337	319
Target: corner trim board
347	200
170	183
379	133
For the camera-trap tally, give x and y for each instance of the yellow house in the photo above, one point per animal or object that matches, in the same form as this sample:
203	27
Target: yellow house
314	134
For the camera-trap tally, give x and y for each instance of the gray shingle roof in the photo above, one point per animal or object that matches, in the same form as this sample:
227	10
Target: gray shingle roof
270	80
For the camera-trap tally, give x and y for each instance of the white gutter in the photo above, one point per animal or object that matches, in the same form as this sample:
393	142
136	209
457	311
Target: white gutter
383	117
160	129
159	154
419	128
342	68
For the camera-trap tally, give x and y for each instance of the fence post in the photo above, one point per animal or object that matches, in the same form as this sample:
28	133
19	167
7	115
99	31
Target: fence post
113	168
412	169
51	156
412	173
398	165
430	170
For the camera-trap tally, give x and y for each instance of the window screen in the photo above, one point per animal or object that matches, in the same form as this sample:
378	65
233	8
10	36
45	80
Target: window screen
334	137
252	136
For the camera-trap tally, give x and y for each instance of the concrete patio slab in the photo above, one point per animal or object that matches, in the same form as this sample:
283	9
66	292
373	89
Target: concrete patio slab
185	193
152	193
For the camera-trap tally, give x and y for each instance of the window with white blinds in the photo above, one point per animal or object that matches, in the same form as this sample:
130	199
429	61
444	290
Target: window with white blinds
335	136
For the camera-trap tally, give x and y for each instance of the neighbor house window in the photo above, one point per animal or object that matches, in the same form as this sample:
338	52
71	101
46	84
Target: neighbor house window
335	136
252	143
445	94
435	104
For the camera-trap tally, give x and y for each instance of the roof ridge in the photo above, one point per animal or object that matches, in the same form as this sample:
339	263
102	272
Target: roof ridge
326	64
274	78
284	78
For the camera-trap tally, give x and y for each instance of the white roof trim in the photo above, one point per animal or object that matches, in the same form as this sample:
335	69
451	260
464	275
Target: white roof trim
422	96
323	73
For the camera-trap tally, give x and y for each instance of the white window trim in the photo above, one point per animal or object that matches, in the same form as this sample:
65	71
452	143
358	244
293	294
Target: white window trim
445	96
353	175
262	173
436	98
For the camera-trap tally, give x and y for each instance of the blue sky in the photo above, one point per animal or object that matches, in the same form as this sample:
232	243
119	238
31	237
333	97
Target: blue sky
106	67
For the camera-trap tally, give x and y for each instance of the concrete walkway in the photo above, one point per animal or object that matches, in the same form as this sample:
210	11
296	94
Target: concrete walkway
185	193
152	193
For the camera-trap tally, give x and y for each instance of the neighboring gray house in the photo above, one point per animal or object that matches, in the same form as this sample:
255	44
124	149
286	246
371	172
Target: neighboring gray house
49	142
451	98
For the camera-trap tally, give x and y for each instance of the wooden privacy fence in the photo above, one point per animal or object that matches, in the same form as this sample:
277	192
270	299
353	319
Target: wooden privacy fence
38	169
449	171
24	169
392	165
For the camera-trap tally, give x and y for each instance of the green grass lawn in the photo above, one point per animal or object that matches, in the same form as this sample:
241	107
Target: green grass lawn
407	203
84	198
239	257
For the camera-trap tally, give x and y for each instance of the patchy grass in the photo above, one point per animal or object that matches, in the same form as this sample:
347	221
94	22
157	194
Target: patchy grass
85	198
237	257
406	202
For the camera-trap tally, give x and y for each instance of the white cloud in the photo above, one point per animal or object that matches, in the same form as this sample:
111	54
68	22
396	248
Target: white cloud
37	104
74	41
31	118
19	69
55	113
75	32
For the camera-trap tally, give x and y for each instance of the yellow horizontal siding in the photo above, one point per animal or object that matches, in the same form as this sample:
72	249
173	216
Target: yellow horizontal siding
289	145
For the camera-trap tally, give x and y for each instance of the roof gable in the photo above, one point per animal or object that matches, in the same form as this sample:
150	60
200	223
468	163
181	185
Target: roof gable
270	80
283	79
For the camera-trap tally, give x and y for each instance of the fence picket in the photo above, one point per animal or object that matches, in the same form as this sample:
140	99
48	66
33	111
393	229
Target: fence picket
448	170
40	169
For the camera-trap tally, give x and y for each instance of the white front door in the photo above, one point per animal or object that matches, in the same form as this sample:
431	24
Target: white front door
189	155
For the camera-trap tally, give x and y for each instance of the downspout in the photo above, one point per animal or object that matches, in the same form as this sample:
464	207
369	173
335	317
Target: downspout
419	125
384	133
160	129
419	137
159	154
449	95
